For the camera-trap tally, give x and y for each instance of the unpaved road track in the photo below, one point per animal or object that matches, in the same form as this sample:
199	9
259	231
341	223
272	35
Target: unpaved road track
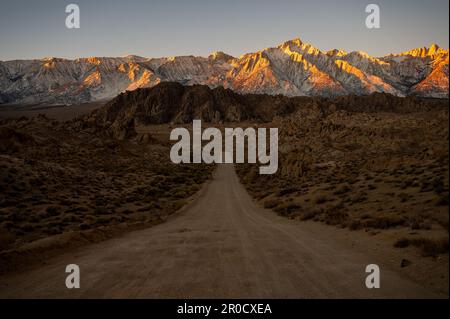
222	246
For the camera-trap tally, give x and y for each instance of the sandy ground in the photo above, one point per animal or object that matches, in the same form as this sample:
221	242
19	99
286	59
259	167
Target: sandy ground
222	246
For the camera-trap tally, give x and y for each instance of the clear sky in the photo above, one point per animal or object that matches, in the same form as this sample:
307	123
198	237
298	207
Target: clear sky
154	28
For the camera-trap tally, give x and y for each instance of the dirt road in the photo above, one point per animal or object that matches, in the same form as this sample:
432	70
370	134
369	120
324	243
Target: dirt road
222	246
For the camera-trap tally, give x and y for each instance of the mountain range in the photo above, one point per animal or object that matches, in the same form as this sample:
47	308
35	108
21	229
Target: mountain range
293	68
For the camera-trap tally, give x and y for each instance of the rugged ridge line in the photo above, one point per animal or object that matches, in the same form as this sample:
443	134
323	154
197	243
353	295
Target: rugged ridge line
293	68
171	102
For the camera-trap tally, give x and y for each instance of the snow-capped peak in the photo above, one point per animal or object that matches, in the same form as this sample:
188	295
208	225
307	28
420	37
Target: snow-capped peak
292	68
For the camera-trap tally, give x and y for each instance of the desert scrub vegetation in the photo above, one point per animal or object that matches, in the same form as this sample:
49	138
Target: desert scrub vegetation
334	201
428	247
84	180
362	171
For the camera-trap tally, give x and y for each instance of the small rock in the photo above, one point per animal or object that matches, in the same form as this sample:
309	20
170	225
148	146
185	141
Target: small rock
405	263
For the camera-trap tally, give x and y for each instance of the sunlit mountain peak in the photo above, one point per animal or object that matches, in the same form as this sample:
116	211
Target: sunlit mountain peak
337	52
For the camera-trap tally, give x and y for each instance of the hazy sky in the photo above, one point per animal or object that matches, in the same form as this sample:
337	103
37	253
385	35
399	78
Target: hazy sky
153	28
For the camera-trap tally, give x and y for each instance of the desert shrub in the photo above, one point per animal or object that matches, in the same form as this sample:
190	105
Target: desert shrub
179	194
402	243
438	186
131	199
404	197
335	215
84	226
406	184
355	225
321	199
77	209
27	227
286	191
43	215
307	215
21	206
418	222
66	202
71	218
53	210
52	230
359	198
271	203
17	216
343	189
177	205
287	209
434	247
443	200
146	208
194	188
102	220
425	187
8	203
127	212
384	222
429	247
102	210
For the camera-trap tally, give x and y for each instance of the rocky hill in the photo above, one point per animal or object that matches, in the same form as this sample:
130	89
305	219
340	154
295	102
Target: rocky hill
171	102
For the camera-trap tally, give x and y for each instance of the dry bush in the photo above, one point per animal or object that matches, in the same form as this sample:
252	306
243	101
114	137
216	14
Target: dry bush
272	203
428	247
